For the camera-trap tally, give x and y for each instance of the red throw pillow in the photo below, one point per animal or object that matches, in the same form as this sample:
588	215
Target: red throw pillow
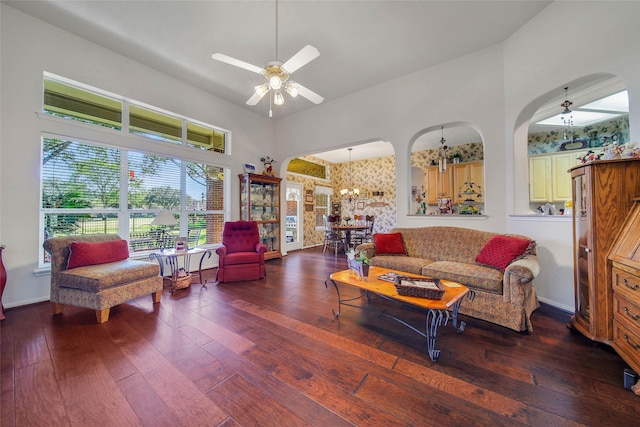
92	253
389	244
500	251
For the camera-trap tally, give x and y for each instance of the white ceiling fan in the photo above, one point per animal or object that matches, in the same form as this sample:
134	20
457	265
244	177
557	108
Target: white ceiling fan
277	74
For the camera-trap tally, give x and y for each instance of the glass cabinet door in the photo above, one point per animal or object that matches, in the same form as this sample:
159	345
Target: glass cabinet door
582	255
260	202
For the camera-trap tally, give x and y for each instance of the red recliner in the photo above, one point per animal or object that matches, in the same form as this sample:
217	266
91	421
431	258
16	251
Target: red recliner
241	256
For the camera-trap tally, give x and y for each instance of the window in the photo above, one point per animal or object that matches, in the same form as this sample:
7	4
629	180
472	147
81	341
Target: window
89	188
71	101
323	204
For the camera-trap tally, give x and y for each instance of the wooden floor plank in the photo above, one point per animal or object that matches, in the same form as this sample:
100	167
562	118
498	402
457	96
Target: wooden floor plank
37	388
190	405
145	402
233	395
88	390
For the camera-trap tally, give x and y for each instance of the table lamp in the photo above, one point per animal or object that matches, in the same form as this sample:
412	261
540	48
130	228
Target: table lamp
164	219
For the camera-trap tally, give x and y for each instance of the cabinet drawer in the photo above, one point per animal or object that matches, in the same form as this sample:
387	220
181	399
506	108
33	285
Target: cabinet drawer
627	344
627	312
626	284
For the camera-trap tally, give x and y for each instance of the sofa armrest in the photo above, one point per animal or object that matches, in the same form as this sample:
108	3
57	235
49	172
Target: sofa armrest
518	274
369	248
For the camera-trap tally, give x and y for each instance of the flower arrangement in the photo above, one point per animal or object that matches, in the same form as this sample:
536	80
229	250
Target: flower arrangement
360	257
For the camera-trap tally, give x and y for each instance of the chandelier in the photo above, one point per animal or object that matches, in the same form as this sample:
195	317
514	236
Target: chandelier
567	118
442	153
350	193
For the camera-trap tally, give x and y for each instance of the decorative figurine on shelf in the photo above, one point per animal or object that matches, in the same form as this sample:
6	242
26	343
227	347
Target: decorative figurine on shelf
268	165
590	156
613	150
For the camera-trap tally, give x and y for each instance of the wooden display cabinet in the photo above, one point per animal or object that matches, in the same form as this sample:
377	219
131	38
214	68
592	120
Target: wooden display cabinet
260	202
603	193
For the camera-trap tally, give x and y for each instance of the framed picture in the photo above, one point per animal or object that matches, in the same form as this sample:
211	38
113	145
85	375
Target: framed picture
308	207
308	198
360	206
182	244
249	168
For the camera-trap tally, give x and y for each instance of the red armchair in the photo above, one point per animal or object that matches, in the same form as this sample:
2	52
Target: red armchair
241	255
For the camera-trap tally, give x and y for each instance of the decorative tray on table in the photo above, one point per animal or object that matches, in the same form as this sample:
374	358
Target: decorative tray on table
423	287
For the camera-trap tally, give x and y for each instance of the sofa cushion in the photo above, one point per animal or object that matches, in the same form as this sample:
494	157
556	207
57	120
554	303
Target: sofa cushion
242	258
94	278
471	275
500	251
401	263
94	253
389	244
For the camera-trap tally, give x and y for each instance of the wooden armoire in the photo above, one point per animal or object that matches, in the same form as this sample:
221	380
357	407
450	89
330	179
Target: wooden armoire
603	193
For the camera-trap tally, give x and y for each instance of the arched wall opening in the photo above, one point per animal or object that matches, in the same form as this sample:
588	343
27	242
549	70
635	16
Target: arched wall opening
447	170
547	144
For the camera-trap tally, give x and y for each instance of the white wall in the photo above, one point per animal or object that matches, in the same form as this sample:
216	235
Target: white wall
30	47
490	89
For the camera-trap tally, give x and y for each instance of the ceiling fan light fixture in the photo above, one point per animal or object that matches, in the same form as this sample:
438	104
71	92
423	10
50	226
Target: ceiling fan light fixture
275	82
292	89
262	90
278	99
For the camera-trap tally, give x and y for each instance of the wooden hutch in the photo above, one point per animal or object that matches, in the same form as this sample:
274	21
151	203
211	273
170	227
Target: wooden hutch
603	193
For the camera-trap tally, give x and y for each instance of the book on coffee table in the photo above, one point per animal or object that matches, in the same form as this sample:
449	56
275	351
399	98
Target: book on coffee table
388	277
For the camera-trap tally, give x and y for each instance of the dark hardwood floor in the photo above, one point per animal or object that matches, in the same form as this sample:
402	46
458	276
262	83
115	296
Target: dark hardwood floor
269	352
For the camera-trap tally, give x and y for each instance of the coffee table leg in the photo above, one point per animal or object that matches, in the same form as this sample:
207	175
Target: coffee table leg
339	299
454	312
434	320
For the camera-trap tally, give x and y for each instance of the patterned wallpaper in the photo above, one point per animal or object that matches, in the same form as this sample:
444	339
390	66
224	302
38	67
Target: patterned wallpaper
367	176
469	152
594	136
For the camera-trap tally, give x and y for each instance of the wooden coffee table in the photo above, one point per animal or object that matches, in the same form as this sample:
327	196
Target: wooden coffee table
437	311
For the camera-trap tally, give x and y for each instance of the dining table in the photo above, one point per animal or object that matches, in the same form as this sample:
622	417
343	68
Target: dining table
347	229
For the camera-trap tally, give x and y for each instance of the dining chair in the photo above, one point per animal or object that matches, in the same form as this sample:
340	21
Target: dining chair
357	236
332	237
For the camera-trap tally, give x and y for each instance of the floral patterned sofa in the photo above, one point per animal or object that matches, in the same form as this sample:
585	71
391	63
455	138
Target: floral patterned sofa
94	271
504	292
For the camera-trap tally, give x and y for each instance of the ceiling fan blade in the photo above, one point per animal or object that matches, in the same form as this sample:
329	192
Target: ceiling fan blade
309	94
303	57
255	98
236	62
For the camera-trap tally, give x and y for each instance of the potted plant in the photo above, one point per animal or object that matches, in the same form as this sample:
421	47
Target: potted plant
456	157
359	262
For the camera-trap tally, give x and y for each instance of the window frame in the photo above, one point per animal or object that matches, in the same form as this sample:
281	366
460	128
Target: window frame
123	212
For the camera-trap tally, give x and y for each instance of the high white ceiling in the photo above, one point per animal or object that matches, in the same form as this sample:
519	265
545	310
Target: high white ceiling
361	43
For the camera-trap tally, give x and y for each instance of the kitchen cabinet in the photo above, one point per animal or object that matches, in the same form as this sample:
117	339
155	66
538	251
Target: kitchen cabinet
450	181
439	183
549	179
603	193
470	172
260	202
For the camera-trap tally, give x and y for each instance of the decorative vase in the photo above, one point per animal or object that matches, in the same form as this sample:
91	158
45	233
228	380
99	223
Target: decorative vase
360	268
